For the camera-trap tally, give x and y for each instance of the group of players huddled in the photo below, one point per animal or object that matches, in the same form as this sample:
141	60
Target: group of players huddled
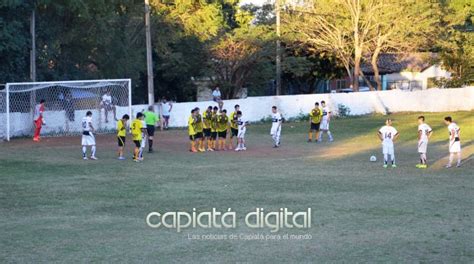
209	132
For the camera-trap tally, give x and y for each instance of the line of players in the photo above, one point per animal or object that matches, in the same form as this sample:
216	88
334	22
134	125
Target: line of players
388	134
213	126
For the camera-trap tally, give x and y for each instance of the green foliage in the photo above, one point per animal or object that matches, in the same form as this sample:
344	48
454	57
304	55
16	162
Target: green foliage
343	111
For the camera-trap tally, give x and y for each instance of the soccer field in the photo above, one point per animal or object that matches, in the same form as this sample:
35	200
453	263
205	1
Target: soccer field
56	207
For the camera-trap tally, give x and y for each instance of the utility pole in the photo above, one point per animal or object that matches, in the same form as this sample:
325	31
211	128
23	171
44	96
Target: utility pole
33	46
278	48
149	60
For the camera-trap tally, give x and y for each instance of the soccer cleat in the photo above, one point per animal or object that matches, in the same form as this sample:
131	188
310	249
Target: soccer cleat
193	150
94	158
244	148
385	165
136	160
394	166
419	165
210	149
84	158
150	151
309	140
423	166
458	165
448	166
121	158
36	139
238	149
202	150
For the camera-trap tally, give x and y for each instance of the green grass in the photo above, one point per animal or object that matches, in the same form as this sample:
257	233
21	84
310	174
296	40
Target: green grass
55	207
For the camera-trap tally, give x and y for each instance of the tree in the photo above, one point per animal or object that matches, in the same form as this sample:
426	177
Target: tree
401	26
456	41
235	57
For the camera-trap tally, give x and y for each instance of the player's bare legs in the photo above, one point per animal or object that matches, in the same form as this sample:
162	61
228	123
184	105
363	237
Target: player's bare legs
451	159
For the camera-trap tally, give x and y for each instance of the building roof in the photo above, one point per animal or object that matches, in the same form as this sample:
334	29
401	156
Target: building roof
399	62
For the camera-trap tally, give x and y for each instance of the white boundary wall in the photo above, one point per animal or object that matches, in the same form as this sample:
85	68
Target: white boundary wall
256	108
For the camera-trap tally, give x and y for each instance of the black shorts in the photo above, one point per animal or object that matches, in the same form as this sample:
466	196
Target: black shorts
121	141
222	134
315	126
214	135
234	132
207	132
138	143
150	129
198	135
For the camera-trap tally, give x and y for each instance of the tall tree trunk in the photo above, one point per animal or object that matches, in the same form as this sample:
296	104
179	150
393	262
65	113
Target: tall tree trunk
375	67
357	58
367	81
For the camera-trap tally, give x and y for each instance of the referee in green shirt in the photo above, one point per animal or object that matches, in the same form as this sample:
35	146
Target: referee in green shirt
151	119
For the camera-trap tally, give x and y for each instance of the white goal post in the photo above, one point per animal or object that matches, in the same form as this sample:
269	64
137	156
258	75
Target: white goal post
66	103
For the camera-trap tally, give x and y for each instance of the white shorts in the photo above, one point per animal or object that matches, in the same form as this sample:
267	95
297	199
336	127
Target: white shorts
388	148
455	146
276	130
422	146
241	133
324	125
88	140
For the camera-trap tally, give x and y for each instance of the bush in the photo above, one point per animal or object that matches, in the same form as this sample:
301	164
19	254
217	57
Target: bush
343	111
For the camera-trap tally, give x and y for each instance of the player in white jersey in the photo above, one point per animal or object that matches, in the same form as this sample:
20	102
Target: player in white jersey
275	131
143	142
454	141
88	138
242	124
387	134
108	105
326	118
424	134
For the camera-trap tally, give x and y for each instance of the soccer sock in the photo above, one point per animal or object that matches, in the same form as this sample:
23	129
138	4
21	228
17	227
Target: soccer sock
423	158
393	159
192	144
84	151
140	153
459	158
150	144
385	159
330	135
451	157
320	137
93	151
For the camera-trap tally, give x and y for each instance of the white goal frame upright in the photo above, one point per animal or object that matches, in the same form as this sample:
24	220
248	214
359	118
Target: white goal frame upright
67	87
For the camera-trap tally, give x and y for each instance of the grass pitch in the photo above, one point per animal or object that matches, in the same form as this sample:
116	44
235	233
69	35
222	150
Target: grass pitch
55	207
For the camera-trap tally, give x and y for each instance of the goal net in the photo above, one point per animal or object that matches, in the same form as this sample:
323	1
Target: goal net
66	103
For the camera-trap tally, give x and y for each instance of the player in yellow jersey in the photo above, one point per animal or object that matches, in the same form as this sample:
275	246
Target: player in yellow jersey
192	131
121	135
214	127
222	126
137	130
314	121
199	128
234	127
206	122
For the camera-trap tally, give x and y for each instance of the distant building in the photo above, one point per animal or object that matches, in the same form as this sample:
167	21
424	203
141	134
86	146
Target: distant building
412	71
